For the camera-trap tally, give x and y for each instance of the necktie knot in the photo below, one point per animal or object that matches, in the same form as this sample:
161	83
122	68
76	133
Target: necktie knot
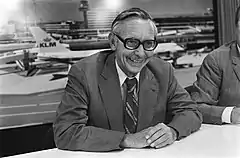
131	83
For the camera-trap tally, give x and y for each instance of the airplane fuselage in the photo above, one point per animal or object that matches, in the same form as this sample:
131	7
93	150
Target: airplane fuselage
15	46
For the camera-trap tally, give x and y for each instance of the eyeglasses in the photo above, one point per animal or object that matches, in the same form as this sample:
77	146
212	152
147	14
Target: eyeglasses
133	43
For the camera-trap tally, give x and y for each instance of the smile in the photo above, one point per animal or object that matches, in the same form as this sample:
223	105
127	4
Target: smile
134	61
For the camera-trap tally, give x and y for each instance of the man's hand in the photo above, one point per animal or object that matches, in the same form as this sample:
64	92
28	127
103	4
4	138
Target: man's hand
136	140
161	135
235	116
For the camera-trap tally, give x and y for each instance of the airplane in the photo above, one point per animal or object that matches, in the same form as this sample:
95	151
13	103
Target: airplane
189	30
19	37
101	44
168	47
169	51
102	36
166	33
180	31
79	40
191	60
49	48
24	37
58	36
9	41
15	46
6	37
18	55
193	57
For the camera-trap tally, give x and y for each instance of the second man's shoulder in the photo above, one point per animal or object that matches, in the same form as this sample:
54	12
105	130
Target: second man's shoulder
220	56
223	51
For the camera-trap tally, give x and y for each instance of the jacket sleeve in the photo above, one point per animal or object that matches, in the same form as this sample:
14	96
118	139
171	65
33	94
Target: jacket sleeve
71	129
206	91
182	112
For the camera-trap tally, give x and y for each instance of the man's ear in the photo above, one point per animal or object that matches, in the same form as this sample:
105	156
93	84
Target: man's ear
112	41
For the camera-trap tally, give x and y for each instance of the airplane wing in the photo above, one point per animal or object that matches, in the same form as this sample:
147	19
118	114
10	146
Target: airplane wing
58	76
69	55
167	47
15	55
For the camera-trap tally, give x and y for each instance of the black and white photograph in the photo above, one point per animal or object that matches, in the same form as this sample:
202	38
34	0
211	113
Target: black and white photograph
120	78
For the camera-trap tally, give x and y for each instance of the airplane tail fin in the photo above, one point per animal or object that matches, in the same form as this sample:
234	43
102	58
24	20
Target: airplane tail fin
45	42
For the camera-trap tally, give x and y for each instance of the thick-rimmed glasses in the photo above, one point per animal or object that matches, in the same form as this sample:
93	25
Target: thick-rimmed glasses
133	43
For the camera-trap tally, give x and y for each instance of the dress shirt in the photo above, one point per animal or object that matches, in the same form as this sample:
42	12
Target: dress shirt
226	115
122	77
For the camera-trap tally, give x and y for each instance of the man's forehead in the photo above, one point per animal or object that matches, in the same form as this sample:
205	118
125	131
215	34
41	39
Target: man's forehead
136	20
133	24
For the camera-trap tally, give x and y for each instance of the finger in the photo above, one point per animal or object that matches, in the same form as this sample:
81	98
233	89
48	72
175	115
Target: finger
163	144
154	129
165	135
155	136
159	140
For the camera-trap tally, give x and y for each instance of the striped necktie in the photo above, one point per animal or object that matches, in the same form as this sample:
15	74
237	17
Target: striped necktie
131	106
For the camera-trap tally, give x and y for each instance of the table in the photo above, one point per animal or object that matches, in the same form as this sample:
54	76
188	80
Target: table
211	141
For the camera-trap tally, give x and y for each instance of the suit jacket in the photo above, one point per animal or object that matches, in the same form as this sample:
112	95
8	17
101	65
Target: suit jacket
90	115
218	83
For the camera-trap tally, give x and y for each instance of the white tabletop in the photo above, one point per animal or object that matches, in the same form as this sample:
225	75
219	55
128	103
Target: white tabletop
211	141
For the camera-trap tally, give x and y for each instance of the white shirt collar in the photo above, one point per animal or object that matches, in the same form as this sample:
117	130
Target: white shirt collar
122	76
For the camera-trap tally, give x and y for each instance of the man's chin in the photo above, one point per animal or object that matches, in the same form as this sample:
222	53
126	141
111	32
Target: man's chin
134	71
135	65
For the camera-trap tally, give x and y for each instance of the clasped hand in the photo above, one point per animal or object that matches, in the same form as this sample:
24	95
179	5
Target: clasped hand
157	136
235	115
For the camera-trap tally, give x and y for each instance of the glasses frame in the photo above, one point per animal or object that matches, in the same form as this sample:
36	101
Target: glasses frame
124	41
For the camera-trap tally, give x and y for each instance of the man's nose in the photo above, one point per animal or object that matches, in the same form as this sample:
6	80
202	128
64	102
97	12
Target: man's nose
140	51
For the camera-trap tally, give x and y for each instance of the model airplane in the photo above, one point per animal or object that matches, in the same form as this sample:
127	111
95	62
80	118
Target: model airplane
15	46
6	37
49	48
18	55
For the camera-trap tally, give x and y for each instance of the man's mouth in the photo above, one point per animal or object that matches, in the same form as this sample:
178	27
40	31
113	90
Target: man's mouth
135	60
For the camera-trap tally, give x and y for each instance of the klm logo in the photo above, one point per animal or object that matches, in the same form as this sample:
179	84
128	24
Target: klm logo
47	39
49	44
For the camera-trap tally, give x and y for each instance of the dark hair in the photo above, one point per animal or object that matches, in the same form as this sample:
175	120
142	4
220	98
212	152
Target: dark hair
132	12
237	16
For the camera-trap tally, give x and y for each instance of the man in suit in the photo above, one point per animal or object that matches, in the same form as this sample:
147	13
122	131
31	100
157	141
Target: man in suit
217	89
125	97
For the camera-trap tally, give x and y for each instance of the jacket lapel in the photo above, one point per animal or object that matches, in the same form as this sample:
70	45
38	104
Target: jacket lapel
147	99
111	94
235	60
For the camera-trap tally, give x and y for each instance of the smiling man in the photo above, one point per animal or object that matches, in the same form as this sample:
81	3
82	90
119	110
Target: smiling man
124	97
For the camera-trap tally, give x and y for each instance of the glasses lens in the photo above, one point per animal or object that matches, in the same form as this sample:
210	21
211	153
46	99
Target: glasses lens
132	43
149	44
